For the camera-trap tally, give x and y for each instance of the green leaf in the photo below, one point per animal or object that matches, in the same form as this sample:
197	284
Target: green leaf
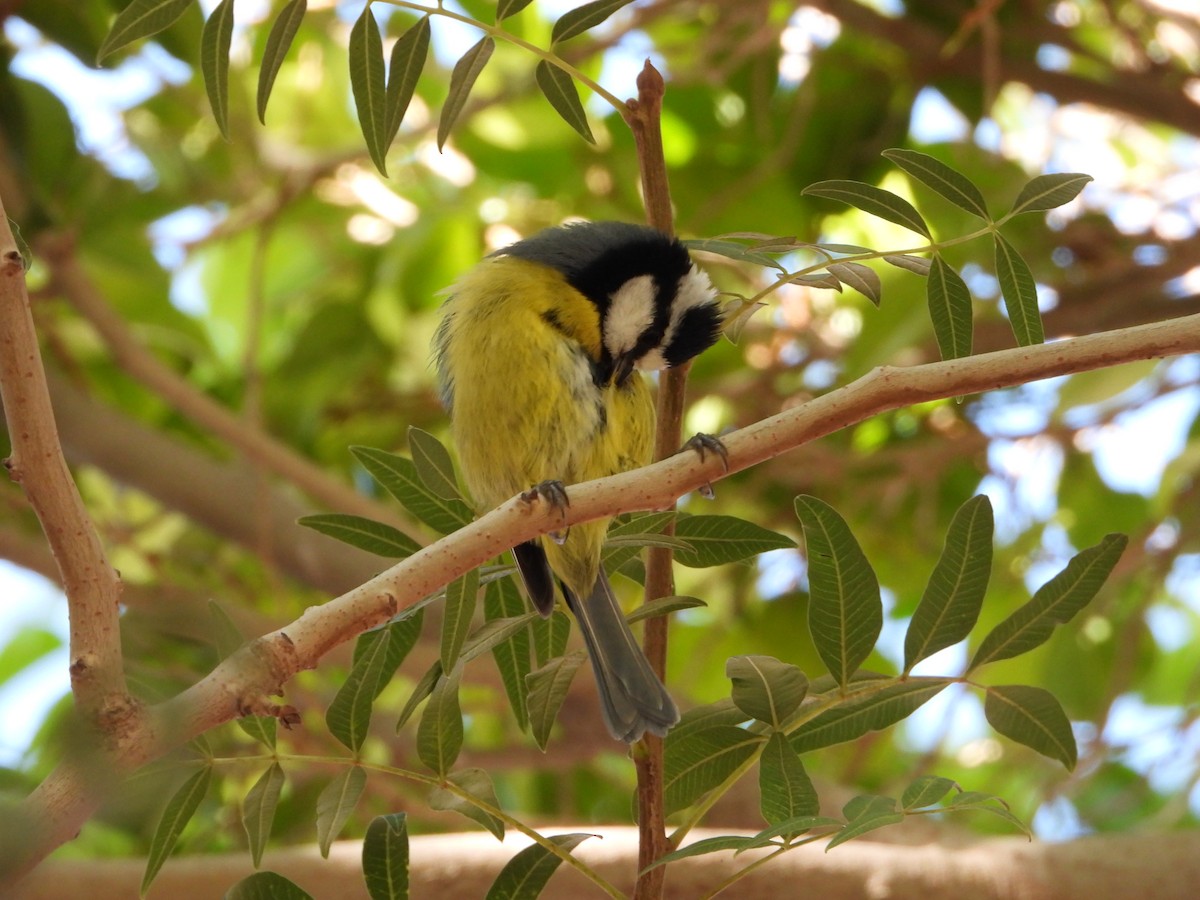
1055	603
385	857
178	812
526	874
502	601
699	718
928	790
716	540
862	278
1019	292
26	647
854	718
765	688
461	598
440	731
1033	717
423	689
434	467
559	88
663	606
349	715
735	250
1049	191
968	800
784	788
873	200
214	62
550	636
918	265
950	605
708	845
140	19
335	804
506	8
398	476
586	17
702	760
279	41
258	810
845	613
547	691
462	79
863	814
404	71
226	635
794	827
365	534
261	728
367	85
478	785
949	309
947	182
266	886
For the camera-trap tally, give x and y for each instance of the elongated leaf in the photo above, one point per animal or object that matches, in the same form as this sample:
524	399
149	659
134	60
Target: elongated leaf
279	41
550	636
735	250
385	857
862	278
502	601
178	812
226	635
1019	292
365	534
349	715
547	691
765	688
1049	191
335	804
949	309
462	79
526	874
784	788
586	17
950	605
440	731
506	8
796	826
663	606
261	728
968	800
716	540
404	71
1054	603
918	265
873	200
700	718
717	844
423	689
398	476
853	719
559	88
267	886
927	790
140	19
477	784
434	467
863	814
1033	717
403	632
845	613
461	598
946	181
214	62
702	760
30	644
258	810
367	85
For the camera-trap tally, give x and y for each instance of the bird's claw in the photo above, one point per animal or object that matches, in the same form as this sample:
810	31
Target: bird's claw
704	444
555	494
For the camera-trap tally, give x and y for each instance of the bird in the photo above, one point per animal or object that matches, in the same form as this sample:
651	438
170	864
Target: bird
539	354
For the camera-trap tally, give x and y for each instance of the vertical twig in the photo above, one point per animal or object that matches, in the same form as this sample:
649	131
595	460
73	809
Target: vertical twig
643	116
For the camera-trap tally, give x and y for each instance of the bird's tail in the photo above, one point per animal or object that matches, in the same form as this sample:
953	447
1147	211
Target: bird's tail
632	697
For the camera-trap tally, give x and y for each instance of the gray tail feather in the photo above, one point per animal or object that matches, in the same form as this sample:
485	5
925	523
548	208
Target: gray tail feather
632	697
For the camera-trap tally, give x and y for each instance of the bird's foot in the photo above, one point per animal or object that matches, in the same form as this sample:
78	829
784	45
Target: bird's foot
555	494
704	444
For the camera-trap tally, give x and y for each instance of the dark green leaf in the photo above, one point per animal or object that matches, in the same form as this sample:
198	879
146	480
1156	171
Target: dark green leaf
699	718
526	874
950	605
367	85
845	613
502	602
708	845
863	814
702	760
461	599
796	826
404	71
854	718
987	803
266	886
1033	717
1054	603
477	784
462	79
949	309
140	19
214	62
862	278
550	636
1020	294
385	857
365	534
948	182
1049	191
434	467
586	17
398	476
716	540
735	250
547	691
765	688
784	788
258	810
349	715
178	812
261	728
423	689
873	200
559	88
335	804
917	264
440	731
927	790
663	606
506	8
279	41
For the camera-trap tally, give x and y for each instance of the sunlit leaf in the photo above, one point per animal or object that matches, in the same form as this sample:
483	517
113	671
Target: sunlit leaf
559	88
214	62
1049	191
1033	717
279	41
949	309
336	803
385	857
526	874
178	812
1019	292
583	18
946	181
873	200
462	79
506	8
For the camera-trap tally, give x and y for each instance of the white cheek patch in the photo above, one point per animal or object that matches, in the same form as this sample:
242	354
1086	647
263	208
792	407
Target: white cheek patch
694	290
630	313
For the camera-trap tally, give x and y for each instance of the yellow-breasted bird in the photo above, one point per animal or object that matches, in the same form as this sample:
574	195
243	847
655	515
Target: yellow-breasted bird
537	356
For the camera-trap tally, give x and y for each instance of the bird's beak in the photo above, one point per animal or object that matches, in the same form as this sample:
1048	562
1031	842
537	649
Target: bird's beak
622	369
